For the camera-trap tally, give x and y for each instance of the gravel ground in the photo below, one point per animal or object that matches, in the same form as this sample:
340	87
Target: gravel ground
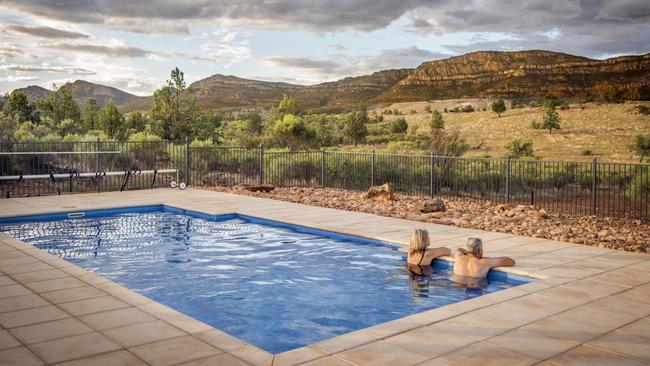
620	234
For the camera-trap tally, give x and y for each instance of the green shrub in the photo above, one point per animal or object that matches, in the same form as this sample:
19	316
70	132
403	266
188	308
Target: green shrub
586	152
519	148
399	126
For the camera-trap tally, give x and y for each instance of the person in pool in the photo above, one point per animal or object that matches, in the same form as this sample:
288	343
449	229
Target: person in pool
470	265
419	252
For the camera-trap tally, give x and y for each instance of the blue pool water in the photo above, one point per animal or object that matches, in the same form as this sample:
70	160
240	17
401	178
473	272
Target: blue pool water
274	286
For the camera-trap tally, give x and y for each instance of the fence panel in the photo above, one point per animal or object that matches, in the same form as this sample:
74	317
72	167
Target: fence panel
583	188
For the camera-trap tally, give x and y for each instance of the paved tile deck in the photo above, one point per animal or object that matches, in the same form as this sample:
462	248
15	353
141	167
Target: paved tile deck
590	306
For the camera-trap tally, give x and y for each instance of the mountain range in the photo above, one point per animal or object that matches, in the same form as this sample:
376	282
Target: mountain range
519	74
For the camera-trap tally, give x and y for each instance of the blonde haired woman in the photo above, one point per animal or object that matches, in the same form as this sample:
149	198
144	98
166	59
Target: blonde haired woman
419	252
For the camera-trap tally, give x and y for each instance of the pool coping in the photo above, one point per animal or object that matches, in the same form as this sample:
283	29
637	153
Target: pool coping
552	274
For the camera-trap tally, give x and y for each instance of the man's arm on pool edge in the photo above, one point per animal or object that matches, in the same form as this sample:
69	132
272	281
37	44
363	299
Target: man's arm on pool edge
502	262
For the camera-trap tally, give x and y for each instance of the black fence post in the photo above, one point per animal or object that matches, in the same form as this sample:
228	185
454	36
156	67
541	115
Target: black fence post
508	182
322	168
594	184
433	175
187	161
97	178
261	164
372	168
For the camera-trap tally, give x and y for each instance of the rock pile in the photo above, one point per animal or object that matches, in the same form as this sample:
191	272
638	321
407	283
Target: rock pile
621	234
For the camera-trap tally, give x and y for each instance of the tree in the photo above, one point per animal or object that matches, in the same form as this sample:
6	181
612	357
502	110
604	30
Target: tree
111	121
437	122
448	144
641	145
58	106
356	125
287	105
174	110
19	107
291	131
136	122
604	92
551	119
498	107
519	148
91	113
399	126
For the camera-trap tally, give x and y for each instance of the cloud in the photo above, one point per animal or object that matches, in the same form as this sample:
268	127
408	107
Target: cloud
304	63
46	68
44	32
19	78
112	51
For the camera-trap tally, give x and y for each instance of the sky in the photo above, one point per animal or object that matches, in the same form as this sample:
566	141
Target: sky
133	45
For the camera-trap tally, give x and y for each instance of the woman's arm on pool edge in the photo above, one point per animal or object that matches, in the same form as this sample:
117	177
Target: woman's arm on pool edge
439	252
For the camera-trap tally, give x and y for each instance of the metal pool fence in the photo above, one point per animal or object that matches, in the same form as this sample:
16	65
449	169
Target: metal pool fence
583	188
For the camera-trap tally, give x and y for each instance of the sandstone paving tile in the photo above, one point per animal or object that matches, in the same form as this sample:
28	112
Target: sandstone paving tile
431	341
26	267
623	343
570	270
11	253
563	327
485	354
118	358
40	275
173	351
296	356
587	356
223	359
19	260
394	327
21	302
624	276
640	328
382	353
636	295
438	361
174	317
346	341
7	340
23	317
72	294
55	284
19	356
116	318
13	290
93	305
141	333
512	313
253	355
327	361
6	280
571	294
533	344
42	332
220	340
71	348
471	327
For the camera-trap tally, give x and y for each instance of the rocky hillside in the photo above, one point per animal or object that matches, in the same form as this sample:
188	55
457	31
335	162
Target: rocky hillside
82	90
517	74
521	74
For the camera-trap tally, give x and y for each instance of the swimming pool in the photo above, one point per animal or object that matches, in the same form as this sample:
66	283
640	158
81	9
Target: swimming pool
274	285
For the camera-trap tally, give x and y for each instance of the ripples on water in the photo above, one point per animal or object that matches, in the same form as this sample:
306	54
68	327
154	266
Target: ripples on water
273	287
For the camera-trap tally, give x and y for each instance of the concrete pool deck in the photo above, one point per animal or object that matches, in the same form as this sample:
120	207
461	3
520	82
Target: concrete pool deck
590	306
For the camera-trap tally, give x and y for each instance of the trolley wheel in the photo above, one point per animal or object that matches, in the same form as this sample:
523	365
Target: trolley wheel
173	184
182	186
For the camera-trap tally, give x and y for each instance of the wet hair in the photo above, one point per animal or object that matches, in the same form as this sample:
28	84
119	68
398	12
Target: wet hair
419	241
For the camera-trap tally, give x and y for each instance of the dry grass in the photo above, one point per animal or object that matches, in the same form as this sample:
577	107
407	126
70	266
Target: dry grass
606	130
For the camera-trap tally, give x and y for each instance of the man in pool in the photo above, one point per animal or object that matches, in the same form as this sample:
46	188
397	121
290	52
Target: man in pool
419	252
470	263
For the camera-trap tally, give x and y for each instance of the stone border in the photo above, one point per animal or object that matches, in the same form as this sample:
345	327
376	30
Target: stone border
55	311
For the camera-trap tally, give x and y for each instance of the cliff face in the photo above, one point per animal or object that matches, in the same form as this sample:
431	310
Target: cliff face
474	75
517	74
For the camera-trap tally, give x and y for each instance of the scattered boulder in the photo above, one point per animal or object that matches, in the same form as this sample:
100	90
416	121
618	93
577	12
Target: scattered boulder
384	192
257	187
428	206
